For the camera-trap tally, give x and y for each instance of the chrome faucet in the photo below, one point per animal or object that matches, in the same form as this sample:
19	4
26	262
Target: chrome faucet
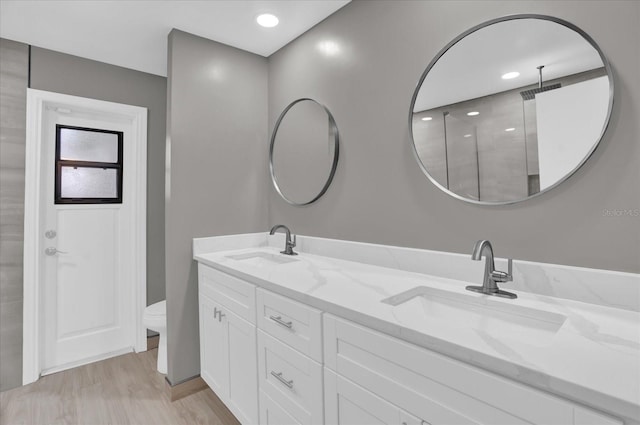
289	244
491	275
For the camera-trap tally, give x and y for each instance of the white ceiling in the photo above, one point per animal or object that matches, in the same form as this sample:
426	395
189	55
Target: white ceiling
133	34
473	67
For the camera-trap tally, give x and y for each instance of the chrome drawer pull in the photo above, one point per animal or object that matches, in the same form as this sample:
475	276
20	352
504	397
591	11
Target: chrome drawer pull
279	377
278	320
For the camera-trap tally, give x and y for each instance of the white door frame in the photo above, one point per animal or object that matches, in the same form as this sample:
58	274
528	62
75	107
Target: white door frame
37	102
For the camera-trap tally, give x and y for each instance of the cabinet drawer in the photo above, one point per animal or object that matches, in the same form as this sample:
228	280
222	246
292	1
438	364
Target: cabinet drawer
234	294
293	323
431	386
291	379
271	413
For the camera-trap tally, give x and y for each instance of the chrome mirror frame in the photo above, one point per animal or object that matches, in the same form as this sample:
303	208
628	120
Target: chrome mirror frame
333	130
596	143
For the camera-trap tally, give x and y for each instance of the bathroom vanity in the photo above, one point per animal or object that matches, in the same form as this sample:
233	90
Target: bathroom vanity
347	333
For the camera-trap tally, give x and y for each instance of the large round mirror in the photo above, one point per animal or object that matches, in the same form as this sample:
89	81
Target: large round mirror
304	152
510	109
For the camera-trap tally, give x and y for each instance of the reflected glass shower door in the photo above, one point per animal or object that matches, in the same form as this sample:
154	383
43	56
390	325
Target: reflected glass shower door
463	174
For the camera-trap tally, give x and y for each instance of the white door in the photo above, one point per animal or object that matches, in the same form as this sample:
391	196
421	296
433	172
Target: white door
88	254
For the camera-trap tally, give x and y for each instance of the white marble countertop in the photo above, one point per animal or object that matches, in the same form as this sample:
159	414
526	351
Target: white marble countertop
594	358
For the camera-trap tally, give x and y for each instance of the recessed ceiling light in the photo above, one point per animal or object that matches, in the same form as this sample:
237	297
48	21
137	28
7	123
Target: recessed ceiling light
510	75
467	135
267	20
427	119
509	129
473	113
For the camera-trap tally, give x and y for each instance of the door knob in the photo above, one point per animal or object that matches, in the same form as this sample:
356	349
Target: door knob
53	251
50	234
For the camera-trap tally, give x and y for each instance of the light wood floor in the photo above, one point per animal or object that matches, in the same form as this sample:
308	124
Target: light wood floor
122	390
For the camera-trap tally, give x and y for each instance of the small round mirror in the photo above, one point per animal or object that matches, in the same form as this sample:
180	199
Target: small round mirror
304	152
510	109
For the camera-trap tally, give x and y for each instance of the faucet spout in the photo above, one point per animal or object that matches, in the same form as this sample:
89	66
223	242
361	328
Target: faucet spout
280	226
479	249
289	244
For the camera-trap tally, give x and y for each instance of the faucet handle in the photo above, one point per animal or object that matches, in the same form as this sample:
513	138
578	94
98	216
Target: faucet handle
499	276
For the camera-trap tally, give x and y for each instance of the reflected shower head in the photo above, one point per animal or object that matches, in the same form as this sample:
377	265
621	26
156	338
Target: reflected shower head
531	94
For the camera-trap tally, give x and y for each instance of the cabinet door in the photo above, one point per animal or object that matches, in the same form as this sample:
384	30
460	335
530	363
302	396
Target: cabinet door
214	354
349	404
432	386
242	367
228	359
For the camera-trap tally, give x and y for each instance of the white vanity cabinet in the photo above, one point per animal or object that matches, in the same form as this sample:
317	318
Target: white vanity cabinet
289	356
276	361
228	341
430	386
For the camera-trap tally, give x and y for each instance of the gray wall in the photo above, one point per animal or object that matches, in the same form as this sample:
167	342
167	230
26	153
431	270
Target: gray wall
380	194
62	73
217	122
58	72
14	63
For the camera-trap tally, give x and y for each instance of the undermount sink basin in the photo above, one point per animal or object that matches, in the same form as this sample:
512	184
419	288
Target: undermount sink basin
483	314
262	258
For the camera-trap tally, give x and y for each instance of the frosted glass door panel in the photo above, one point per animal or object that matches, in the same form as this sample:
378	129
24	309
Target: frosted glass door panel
462	157
91	146
568	118
88	182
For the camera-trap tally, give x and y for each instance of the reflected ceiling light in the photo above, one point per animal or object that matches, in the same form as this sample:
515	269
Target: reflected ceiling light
509	129
467	135
427	119
473	113
510	75
267	20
